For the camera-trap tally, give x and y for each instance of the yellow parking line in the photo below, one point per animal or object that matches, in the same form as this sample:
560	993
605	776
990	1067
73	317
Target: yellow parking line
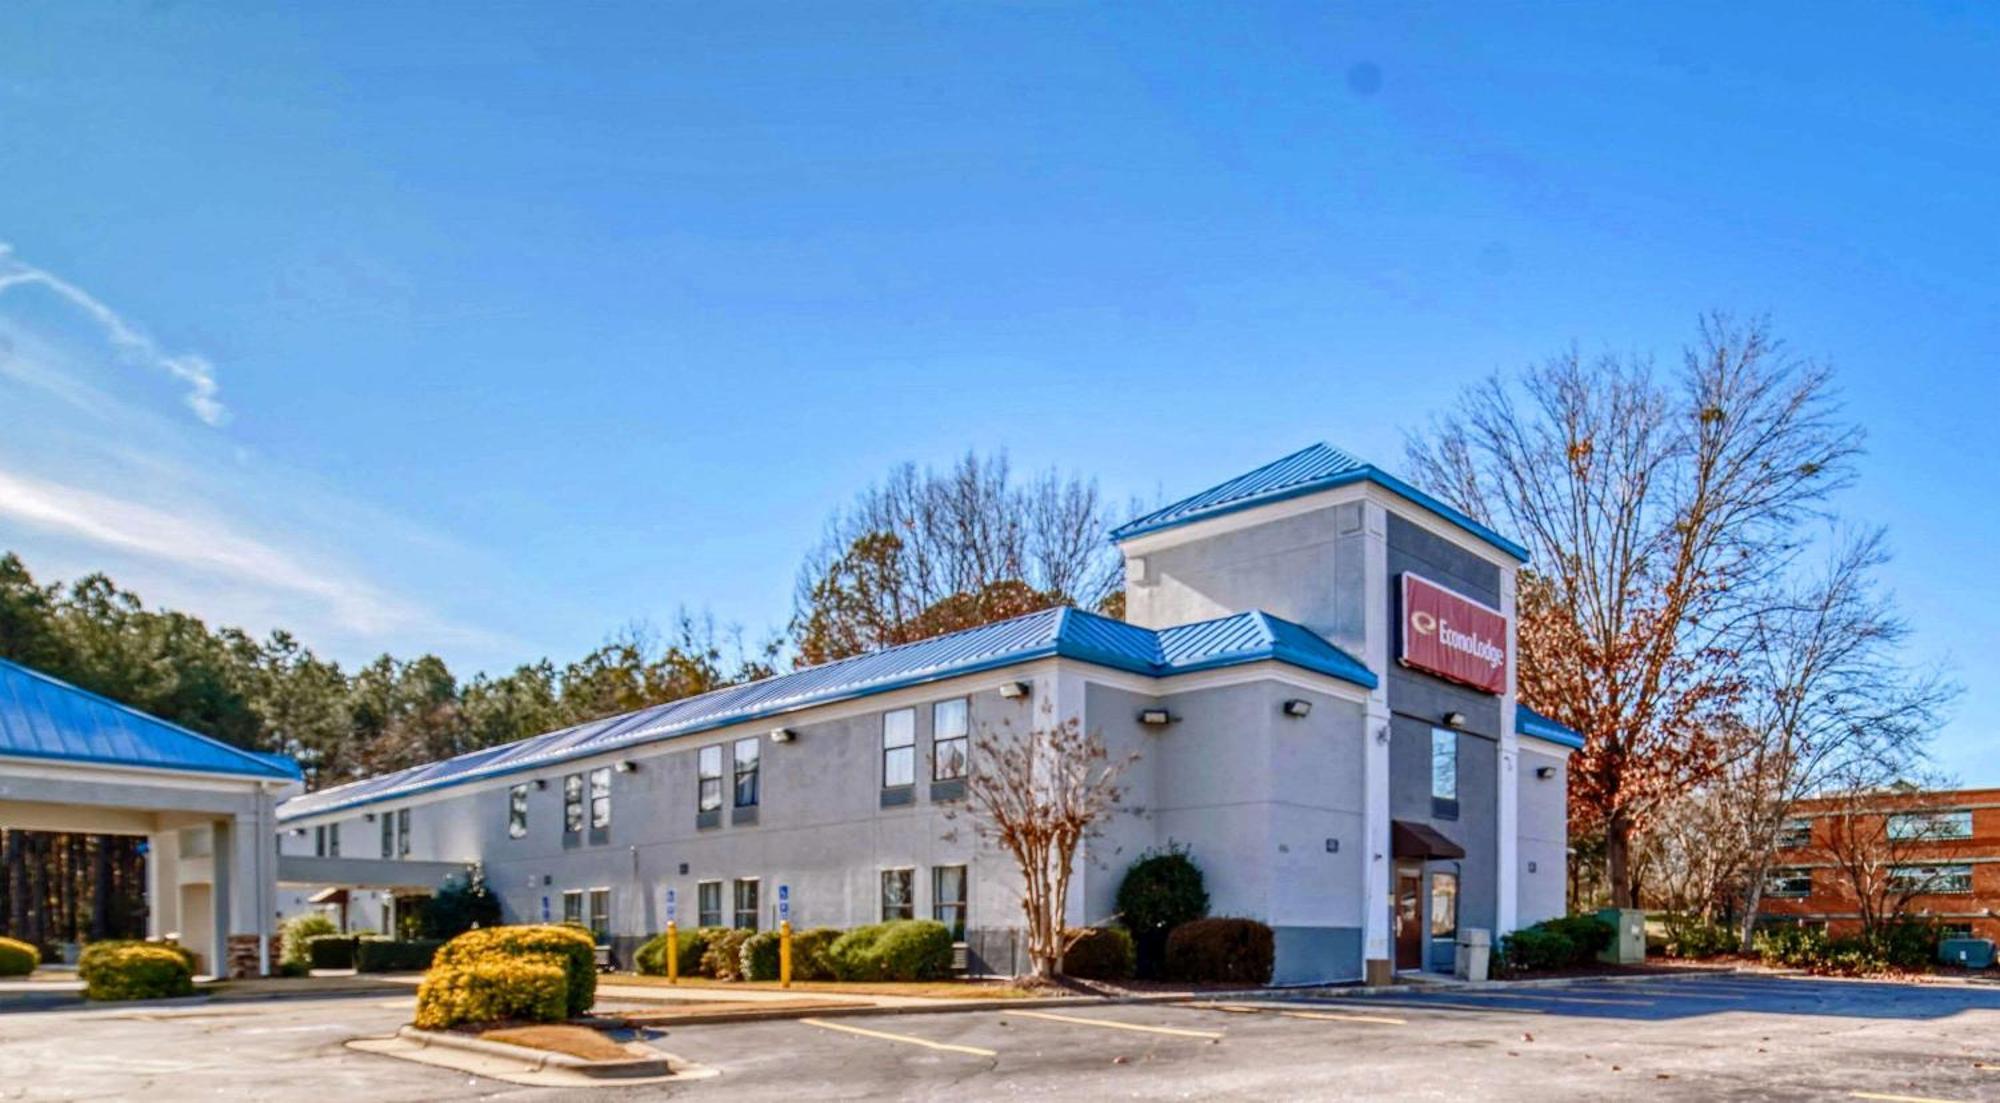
887	1037
1323	1016
1115	1025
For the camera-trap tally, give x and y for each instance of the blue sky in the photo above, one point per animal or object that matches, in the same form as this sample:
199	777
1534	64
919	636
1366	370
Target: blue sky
486	330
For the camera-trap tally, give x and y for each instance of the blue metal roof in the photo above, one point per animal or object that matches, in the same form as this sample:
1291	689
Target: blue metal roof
1307	471
1529	722
1066	632
45	717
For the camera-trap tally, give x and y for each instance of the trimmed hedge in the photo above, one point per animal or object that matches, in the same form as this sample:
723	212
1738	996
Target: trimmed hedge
331	951
388	955
758	960
135	971
903	949
295	937
98	951
17	958
531	988
1101	953
572	948
1221	951
1159	892
722	956
811	957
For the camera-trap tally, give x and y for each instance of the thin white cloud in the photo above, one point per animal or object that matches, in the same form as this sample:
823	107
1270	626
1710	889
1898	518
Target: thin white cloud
132	342
197	544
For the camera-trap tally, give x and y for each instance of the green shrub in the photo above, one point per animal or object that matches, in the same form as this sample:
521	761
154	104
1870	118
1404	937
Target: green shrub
758	960
1691	936
1161	891
460	904
296	935
1902	944
1101	953
651	958
722	956
1227	951
1792	946
902	949
17	958
135	971
98	951
391	955
573	948
492	987
331	951
1553	944
811	953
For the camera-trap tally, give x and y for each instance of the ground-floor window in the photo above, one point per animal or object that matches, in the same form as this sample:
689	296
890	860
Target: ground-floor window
746	903
899	894
708	903
1444	905
600	913
948	899
573	906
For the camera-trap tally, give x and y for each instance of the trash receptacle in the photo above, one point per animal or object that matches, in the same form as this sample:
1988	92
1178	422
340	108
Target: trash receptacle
1475	949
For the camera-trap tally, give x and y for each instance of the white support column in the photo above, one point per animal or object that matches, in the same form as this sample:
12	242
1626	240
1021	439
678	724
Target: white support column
1508	830
1377	864
163	883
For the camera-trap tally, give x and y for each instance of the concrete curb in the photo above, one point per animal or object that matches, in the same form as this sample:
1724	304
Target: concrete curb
539	1059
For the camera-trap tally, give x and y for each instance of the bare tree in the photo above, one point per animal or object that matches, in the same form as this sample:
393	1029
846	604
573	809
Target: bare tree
1040	796
925	552
1654	510
1881	846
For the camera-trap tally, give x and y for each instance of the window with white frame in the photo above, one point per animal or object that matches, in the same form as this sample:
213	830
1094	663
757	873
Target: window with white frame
388	821
746	752
573	906
708	903
600	798
402	832
899	748
517	812
948	899
950	740
708	765
333	840
600	914
1931	825
1789	881
899	894
1947	879
746	903
573	804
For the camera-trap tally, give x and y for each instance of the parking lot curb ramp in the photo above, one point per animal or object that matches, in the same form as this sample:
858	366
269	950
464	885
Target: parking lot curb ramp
537	1060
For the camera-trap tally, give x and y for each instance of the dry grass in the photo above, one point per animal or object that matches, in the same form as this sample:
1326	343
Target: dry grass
929	989
577	1041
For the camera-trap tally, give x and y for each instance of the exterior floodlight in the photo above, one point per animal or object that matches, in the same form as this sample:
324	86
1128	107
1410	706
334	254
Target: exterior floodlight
1298	706
1155	718
1011	690
1454	719
541	783
626	766
783	735
1545	772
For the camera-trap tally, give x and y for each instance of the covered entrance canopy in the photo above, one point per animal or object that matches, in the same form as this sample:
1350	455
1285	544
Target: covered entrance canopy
1409	839
71	760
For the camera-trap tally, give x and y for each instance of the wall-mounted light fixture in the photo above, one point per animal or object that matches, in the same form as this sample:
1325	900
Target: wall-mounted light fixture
1454	719
1298	706
1333	846
1155	718
783	735
370	817
1545	772
684	869
1532	867
626	766
1011	690
1382	735
299	830
541	783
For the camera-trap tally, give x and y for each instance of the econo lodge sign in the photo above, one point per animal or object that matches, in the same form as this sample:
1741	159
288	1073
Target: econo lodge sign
1452	636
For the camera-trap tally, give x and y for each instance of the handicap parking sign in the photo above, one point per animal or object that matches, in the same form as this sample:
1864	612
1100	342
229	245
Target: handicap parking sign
672	905
784	903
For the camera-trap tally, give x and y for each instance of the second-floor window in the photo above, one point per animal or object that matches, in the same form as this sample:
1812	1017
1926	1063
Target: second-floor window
708	765
388	834
600	798
746	773
402	832
899	748
1789	882
950	740
573	804
1795	835
1930	825
1927	879
326	840
517	811
1444	773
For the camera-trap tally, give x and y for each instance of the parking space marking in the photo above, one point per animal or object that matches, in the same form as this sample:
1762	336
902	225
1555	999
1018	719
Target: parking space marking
1899	1098
1322	1016
905	1038
1113	1024
1426	1004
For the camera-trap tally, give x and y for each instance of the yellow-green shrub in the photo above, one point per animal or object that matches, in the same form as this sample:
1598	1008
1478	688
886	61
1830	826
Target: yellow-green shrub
17	958
135	971
571	948
532	988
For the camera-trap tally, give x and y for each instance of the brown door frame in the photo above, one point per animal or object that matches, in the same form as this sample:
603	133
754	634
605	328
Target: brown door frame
1409	929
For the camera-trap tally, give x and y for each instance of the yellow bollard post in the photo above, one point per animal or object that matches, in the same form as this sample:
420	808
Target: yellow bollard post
785	954
673	953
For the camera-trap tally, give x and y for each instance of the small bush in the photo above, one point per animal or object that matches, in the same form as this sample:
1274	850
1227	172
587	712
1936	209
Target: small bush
651	958
98	951
389	955
17	958
572	948
1161	891
1227	951
1553	945
1692	937
496	986
135	971
902	949
722	958
1101	953
461	904
758	959
811	953
331	951
1792	946
296	935
1903	944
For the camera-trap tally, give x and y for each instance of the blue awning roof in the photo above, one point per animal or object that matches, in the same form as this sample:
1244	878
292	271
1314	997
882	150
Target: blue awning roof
1069	633
1529	722
1307	471
46	717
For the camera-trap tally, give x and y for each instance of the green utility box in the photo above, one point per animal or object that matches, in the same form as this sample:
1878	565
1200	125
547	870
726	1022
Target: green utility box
1972	953
1628	936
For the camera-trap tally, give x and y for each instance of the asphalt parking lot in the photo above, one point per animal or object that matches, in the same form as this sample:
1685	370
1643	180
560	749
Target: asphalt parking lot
1710	1038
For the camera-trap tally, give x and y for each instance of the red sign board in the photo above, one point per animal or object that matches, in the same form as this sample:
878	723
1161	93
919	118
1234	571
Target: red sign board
1452	636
